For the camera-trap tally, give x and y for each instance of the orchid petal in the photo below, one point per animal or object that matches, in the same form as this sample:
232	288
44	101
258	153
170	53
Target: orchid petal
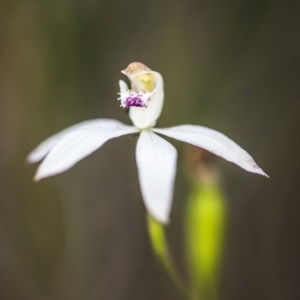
156	162
215	142
44	147
123	86
75	146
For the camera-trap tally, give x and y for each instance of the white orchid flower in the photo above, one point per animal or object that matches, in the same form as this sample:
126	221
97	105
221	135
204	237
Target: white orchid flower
155	157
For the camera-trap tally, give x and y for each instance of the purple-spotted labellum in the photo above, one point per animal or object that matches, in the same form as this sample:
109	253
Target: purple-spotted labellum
134	101
132	98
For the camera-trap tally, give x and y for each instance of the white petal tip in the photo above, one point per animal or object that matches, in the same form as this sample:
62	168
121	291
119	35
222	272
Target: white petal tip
36	178
161	219
256	170
39	176
165	221
261	172
30	159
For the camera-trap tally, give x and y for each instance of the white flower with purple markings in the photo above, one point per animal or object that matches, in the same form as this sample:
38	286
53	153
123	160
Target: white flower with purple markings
155	157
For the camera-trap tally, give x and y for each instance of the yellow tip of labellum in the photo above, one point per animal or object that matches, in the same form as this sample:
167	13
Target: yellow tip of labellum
134	68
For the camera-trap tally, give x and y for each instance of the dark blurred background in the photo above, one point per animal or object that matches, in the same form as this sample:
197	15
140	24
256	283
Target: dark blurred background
230	65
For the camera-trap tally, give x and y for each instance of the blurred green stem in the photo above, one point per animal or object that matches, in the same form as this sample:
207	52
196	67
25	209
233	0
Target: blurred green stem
204	238
159	244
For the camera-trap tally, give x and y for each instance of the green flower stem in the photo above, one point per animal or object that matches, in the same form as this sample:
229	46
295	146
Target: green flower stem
160	247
